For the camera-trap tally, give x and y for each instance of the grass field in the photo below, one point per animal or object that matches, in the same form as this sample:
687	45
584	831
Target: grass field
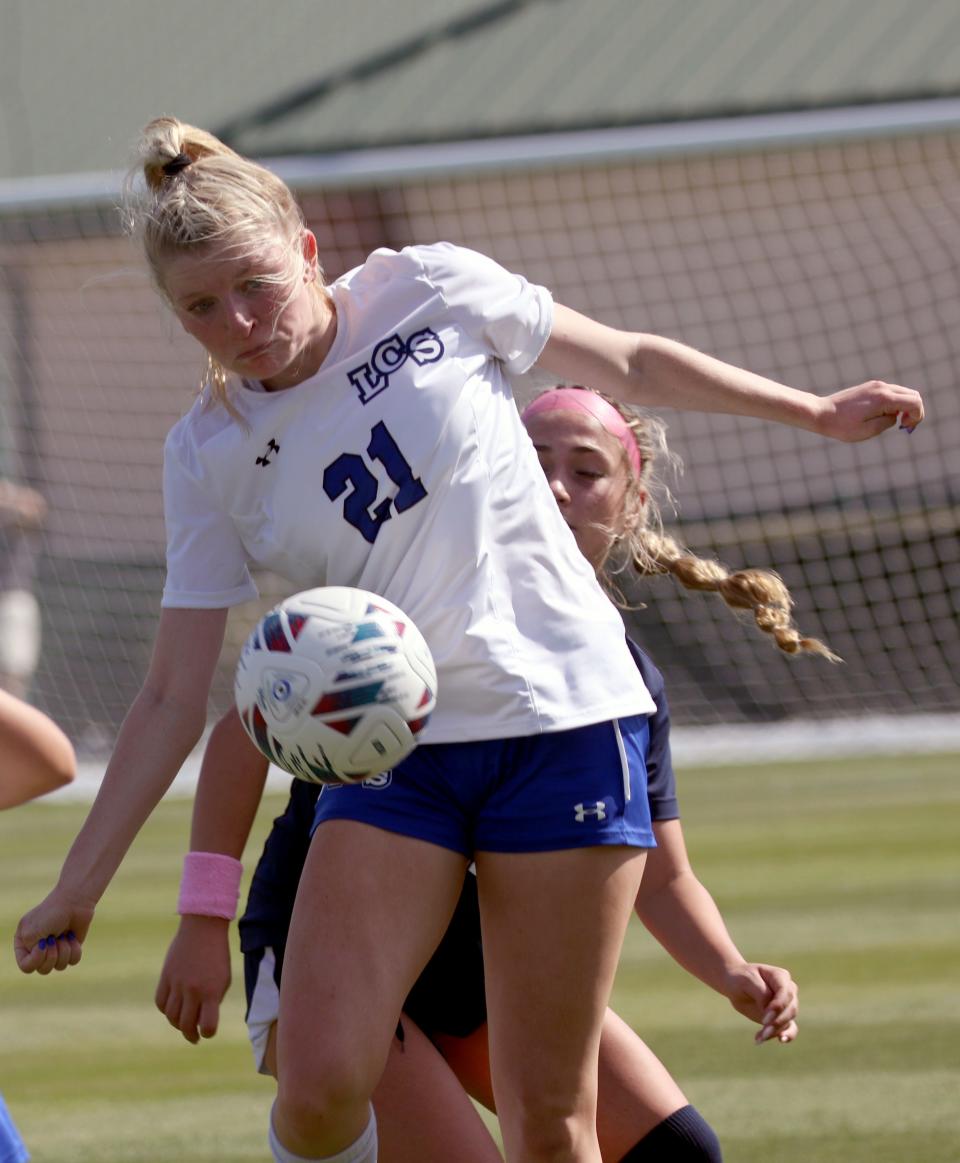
846	872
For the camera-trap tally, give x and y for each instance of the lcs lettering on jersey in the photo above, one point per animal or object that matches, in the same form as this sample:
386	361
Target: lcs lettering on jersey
360	506
390	354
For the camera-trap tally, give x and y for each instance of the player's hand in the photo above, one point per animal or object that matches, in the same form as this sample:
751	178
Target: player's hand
195	976
767	995
22	506
51	936
865	411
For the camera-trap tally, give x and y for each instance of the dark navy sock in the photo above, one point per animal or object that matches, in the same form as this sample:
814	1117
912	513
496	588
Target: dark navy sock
683	1137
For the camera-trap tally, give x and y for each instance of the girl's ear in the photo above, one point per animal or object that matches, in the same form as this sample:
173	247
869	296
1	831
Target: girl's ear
636	503
310	252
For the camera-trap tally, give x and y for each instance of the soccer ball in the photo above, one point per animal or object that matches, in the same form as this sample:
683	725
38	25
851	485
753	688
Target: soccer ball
335	684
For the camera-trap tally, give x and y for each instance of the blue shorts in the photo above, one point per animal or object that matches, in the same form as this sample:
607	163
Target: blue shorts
535	793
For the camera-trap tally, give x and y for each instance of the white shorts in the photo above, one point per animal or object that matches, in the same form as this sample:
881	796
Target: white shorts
19	633
263	1008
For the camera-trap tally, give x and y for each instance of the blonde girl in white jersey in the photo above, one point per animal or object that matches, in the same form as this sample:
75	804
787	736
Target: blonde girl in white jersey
364	434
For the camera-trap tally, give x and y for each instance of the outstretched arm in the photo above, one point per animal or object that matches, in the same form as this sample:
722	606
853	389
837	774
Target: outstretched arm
161	728
654	372
196	973
37	756
684	918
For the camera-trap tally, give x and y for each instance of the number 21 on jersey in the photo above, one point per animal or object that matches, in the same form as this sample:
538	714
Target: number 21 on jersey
361	507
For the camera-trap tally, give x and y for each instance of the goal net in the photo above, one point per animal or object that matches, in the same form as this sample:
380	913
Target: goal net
820	266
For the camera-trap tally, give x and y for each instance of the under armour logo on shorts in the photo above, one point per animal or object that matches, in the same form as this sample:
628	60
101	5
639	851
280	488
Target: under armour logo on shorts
581	811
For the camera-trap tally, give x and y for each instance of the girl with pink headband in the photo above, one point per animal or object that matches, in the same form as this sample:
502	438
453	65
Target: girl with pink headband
591	404
643	545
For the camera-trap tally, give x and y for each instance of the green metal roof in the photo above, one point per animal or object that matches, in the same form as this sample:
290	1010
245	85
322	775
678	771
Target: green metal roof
78	78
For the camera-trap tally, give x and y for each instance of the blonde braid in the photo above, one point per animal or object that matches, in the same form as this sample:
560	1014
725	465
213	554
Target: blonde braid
759	591
651	551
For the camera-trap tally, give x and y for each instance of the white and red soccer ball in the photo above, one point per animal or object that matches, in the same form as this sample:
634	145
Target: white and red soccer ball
335	684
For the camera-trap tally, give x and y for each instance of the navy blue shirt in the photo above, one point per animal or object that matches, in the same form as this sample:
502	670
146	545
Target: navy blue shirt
661	779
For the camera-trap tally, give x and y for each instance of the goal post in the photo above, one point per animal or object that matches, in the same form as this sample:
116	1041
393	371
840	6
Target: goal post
818	264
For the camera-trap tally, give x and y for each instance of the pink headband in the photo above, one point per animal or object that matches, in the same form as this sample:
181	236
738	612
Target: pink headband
583	400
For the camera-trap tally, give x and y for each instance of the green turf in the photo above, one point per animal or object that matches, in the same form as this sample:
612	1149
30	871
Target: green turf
845	872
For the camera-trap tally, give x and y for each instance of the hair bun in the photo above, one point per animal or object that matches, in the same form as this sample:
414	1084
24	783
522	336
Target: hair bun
176	164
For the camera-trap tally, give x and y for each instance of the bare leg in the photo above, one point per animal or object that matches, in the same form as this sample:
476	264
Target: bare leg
553	926
371	907
423	1112
469	1059
636	1091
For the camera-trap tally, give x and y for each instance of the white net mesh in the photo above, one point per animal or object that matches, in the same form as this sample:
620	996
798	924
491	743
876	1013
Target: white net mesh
819	267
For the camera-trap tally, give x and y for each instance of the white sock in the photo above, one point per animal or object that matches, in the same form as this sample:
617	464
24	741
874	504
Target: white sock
364	1150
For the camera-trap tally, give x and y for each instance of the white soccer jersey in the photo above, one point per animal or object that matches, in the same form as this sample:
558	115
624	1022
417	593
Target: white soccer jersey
402	467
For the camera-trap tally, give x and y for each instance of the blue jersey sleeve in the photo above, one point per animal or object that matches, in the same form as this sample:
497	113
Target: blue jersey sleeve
661	779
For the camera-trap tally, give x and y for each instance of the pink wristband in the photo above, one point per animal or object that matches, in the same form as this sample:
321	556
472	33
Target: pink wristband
210	886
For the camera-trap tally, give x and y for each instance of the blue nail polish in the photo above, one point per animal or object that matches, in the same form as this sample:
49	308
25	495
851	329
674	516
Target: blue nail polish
71	935
42	943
